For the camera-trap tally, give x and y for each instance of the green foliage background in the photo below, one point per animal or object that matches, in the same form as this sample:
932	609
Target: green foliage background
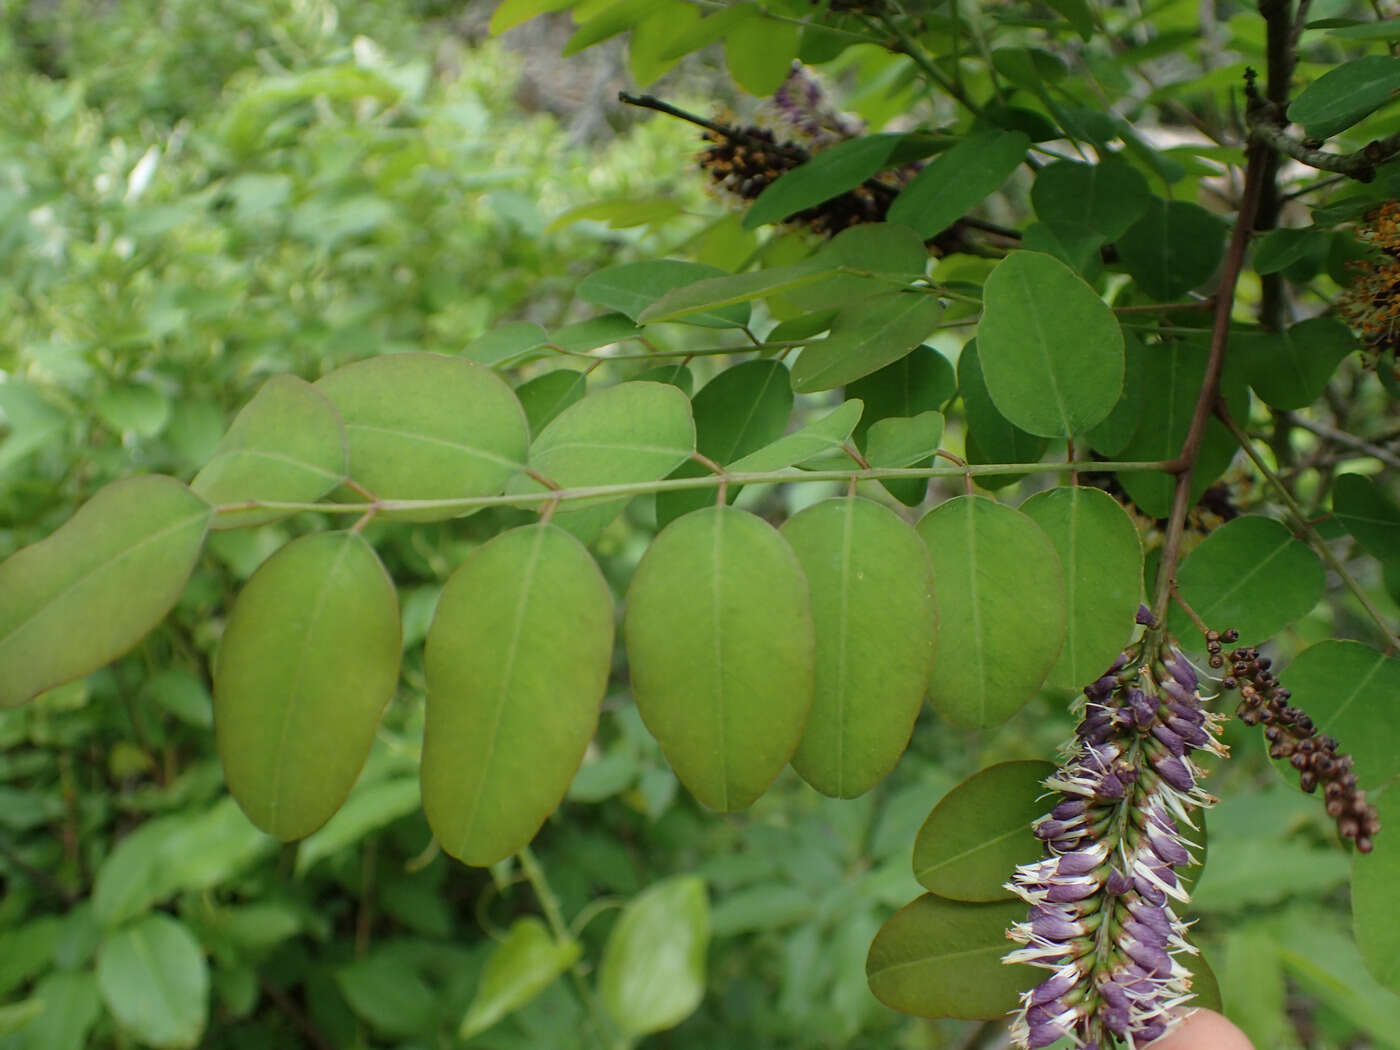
196	197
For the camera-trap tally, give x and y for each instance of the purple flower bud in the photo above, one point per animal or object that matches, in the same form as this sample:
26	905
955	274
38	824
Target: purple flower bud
1174	772
1144	707
1180	668
1070	807
1145	617
1079	862
1054	986
1151	916
1150	957
1113	994
1046	1012
1170	741
1146	934
1149	892
1049	829
1177	691
1117	1019
1044	1035
1109	787
1068	892
1153	1029
1171	851
1117	884
1190	712
1101	688
1191	732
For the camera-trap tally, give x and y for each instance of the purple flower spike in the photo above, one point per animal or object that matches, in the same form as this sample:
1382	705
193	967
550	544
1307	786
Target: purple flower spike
1180	668
1117	884
1054	986
1170	740
1173	770
1044	1035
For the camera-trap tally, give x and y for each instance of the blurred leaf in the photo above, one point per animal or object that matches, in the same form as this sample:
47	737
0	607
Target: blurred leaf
820	437
70	1009
1374	877
617	17
942	958
153	978
652	975
1051	351
759	54
1249	574
1279	249
703	296
981	830
1349	690
1102	560
308	661
425	426
766	906
865	337
14	1016
829	173
626	212
517	662
1001	604
631	288
520	967
142	410
1246	872
26	951
583	336
511	13
719	639
183	695
1105	198
876	626
80	598
1174	247
288	445
649	45
391	996
1325	964
367	808
1253	986
1345	95
958	180
30	419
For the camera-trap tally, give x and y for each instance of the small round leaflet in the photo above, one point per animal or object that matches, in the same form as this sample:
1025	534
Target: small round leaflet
720	645
517	661
876	625
308	662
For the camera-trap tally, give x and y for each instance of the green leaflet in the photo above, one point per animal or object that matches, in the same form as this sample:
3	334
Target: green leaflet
1051	350
520	967
720	643
942	958
154	979
1002	607
876	625
517	661
309	659
287	445
80	598
979	831
1102	560
426	426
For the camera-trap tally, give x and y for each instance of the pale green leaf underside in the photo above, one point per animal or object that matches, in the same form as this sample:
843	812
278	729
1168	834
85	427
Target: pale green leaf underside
517	661
720	645
80	598
520	967
652	975
308	662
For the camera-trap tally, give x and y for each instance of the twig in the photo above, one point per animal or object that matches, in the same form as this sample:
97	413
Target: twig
1341	437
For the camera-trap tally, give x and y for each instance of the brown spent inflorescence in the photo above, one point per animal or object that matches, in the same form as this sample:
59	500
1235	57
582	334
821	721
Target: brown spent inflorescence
1292	735
1371	303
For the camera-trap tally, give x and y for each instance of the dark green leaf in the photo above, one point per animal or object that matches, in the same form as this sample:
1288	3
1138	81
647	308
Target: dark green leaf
990	438
1106	198
759	53
959	180
1374	877
1002	609
389	994
866	337
1079	248
288	444
720	643
1279	249
80	598
368	807
520	967
1346	94
1102	560
544	397
738	412
425	426
1290	369
652	975
1368	515
820	437
1078	14
876	624
1118	427
516	662
309	659
981	830
1174	247
942	958
701	297
1051	350
919	382
1349	691
140	410
828	174
153	978
631	288
1249	574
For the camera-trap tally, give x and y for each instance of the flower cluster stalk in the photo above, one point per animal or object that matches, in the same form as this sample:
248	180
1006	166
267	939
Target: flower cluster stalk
1102	916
